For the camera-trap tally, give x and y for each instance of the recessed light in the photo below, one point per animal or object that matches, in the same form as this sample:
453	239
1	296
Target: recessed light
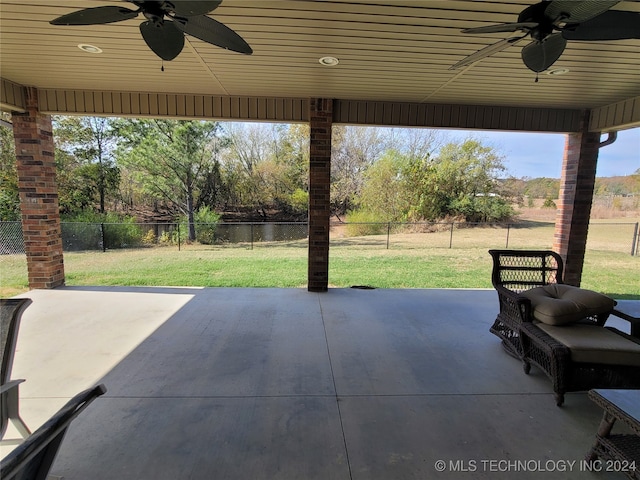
85	47
329	61
558	71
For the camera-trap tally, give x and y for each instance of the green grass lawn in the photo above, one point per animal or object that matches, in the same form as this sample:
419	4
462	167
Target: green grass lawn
416	260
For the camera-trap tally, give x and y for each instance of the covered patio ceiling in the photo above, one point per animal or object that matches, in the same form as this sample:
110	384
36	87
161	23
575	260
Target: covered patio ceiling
398	52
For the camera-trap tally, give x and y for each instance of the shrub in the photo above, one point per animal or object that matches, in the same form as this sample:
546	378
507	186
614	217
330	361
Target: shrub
168	238
363	222
124	234
149	238
206	221
120	231
481	208
9	207
299	201
616	204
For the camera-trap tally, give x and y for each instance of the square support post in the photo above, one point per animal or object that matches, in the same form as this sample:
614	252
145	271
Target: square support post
33	138
575	200
321	119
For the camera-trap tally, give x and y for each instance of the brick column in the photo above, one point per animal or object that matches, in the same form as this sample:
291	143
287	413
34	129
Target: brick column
33	134
576	196
321	117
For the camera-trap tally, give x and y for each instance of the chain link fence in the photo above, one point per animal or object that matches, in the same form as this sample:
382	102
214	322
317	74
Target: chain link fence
618	237
77	237
605	236
11	240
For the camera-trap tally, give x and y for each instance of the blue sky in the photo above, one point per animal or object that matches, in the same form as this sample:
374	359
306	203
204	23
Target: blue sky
540	154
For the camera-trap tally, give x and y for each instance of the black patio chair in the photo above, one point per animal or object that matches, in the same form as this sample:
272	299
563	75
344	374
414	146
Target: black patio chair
10	314
32	459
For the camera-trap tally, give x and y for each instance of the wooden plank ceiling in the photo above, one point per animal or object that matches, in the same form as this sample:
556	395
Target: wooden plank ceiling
393	51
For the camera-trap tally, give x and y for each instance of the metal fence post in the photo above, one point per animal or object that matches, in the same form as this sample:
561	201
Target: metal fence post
451	235
178	237
252	236
388	233
508	230
634	241
104	238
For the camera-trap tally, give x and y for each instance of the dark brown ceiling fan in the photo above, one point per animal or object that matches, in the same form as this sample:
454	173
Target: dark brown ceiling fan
551	23
165	25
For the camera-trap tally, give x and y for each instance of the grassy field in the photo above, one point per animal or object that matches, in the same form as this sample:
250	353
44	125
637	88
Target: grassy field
413	260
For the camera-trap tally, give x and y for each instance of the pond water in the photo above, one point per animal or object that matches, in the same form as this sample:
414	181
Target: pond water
260	232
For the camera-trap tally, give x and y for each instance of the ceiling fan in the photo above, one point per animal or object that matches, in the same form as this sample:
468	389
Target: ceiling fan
551	23
166	24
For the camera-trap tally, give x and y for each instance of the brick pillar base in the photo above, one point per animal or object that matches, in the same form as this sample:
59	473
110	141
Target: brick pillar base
321	116
33	134
576	196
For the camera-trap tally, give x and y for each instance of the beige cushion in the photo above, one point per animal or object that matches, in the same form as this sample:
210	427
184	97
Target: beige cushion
592	344
559	304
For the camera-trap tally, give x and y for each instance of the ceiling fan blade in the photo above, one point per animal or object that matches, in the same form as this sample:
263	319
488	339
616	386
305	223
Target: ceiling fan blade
95	16
163	38
190	8
538	56
611	25
213	32
503	27
573	11
485	52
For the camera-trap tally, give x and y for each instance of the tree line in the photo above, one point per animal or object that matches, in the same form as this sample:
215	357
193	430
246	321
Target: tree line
198	169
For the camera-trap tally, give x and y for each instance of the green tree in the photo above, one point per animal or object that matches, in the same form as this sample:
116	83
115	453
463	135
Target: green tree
172	159
542	187
461	181
413	142
267	165
293	153
85	161
9	197
356	150
353	151
386	192
248	164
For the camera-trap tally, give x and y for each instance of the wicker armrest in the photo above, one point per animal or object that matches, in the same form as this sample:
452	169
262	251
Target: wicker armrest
634	321
539	336
516	304
550	355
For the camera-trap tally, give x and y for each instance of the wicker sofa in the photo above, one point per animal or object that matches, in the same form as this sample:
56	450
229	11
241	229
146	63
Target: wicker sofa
559	328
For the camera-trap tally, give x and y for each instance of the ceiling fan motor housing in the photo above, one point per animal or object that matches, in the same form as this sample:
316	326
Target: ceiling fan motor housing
535	14
166	24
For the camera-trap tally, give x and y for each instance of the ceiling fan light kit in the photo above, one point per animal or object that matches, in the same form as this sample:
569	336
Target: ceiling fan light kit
166	24
550	24
329	61
558	71
85	47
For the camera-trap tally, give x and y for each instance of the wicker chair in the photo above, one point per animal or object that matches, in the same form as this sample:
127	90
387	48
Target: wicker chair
515	273
10	314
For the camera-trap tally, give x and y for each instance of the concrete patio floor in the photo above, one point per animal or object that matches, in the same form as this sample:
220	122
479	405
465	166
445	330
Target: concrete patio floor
254	384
